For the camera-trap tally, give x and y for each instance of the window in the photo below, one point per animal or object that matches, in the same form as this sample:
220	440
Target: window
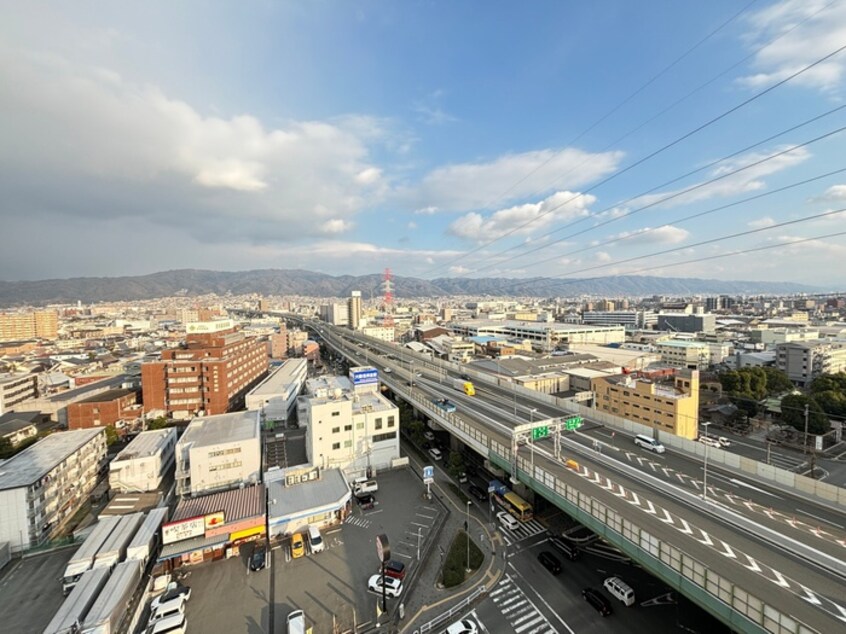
336	445
359	426
347	427
336	413
378	424
381	437
335	430
347	444
390	421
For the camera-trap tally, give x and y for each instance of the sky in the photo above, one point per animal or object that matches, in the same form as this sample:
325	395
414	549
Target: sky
435	138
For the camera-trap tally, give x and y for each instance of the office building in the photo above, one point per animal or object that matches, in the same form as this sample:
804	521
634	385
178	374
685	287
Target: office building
112	407
40	324
219	452
15	389
144	462
354	304
671	406
208	375
630	319
276	396
44	485
384	333
802	362
279	344
684	322
335	314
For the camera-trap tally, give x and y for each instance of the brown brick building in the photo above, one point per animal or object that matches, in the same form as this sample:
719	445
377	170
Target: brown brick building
209	374
105	408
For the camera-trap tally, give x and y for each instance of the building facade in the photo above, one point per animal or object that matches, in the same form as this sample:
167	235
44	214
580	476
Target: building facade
40	324
384	333
544	336
45	484
335	314
15	389
803	362
630	319
671	406
111	407
354	310
209	375
693	355
144	463
276	396
682	322
219	452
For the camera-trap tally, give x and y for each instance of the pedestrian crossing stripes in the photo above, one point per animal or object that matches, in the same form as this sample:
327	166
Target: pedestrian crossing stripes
523	531
357	520
518	609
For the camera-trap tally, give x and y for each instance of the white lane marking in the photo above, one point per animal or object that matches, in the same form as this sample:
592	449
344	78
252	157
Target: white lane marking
822	519
741	483
542	600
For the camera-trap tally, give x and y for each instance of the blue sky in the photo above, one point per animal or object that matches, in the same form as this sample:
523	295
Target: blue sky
435	138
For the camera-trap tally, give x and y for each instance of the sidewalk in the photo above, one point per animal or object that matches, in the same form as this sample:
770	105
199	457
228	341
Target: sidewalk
426	600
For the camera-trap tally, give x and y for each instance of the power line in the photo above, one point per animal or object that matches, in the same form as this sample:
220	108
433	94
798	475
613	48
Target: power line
666	146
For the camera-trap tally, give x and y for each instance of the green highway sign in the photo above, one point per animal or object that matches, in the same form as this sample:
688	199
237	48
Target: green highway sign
540	432
574	422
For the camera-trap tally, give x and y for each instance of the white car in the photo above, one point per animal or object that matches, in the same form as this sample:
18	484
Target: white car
169	595
507	520
464	626
711	441
393	587
724	442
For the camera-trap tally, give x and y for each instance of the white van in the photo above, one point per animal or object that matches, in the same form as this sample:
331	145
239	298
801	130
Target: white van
175	624
296	622
620	590
168	609
507	520
315	540
648	442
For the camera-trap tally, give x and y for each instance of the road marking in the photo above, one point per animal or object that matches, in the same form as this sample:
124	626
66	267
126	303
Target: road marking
741	483
419	524
822	519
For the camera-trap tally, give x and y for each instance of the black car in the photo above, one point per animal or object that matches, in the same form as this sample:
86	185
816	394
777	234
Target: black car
564	547
550	562
365	500
477	493
258	558
595	598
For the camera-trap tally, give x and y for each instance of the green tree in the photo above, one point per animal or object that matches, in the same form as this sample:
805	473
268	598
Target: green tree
6	449
111	435
829	383
832	402
415	430
158	423
793	414
455	466
748	406
777	381
730	381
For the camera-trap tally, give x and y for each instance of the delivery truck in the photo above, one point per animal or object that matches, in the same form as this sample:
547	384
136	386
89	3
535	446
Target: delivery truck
114	550
72	612
112	606
146	539
464	386
83	558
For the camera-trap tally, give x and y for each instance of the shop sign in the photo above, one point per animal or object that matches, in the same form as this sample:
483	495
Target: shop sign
212	520
184	529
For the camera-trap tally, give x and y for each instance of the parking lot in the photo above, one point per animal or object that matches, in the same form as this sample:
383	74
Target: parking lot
31	591
332	585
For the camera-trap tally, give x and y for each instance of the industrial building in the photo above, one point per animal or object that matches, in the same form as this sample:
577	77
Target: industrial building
45	484
544	336
683	322
276	396
630	319
219	452
209	375
144	462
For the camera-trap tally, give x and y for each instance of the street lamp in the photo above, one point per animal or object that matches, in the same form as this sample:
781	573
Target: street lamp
467	534
532	442
705	471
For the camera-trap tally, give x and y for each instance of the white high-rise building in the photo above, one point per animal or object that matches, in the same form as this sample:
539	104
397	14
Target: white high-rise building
354	310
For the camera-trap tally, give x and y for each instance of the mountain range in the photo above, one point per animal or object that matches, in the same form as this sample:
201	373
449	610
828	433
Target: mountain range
267	282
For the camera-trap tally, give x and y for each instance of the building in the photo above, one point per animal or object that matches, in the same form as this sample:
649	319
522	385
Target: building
459	351
15	389
279	344
805	361
45	484
335	314
694	355
205	528
630	319
209	375
296	341
303	496
111	407
384	333
351	426
41	324
544	336
771	337
683	322
354	310
276	396
144	462
219	452
671	406
18	426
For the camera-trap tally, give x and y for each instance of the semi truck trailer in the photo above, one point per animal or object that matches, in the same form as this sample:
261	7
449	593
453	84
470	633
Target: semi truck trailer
83	558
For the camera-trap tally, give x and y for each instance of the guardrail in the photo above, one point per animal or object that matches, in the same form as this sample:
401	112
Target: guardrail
446	616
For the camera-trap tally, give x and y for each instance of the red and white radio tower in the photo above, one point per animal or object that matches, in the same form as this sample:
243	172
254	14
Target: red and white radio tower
388	285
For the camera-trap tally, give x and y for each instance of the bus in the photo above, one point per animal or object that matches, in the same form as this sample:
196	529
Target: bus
517	506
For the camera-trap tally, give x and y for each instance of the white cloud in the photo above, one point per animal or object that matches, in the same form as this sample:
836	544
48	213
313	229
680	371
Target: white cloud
760	223
602	257
821	34
666	234
369	176
835	193
426	211
336	225
412	225
560	207
469	186
458	270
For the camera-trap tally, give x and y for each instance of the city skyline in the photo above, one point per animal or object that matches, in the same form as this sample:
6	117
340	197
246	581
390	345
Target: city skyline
433	139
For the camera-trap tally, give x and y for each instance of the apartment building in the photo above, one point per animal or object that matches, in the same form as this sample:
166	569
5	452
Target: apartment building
43	324
354	310
208	375
144	463
385	333
693	355
669	406
219	452
351	426
335	314
111	407
15	389
279	345
45	484
804	361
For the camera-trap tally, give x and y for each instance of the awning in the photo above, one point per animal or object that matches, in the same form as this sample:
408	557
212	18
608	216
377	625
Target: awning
190	545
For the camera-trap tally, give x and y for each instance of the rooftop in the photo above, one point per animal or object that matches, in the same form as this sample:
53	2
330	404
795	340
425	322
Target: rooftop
278	380
292	500
678	343
236	504
34	462
223	428
147	443
108	395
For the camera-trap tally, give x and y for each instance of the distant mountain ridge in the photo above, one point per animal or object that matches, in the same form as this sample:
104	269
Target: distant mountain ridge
192	282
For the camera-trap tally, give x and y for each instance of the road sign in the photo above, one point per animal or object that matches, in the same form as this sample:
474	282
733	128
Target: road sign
491	489
428	475
574	422
540	432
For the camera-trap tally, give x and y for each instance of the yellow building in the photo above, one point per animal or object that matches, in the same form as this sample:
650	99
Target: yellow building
42	324
671	406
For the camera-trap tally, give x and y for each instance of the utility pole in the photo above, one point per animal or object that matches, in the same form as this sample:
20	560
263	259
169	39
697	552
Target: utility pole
805	444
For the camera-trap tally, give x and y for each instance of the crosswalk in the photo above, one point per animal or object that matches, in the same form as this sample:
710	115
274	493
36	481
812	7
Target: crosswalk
357	520
518	609
523	531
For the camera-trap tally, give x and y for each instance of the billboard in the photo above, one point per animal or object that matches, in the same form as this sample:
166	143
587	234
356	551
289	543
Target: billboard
364	375
184	529
200	327
214	519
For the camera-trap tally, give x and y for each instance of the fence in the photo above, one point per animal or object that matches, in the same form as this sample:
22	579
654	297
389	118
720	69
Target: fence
446	616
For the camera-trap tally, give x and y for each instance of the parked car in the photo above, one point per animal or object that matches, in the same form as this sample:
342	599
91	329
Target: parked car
462	477
464	626
599	602
258	559
550	562
393	587
477	493
173	591
711	441
428	435
435	453
297	546
395	569
365	500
